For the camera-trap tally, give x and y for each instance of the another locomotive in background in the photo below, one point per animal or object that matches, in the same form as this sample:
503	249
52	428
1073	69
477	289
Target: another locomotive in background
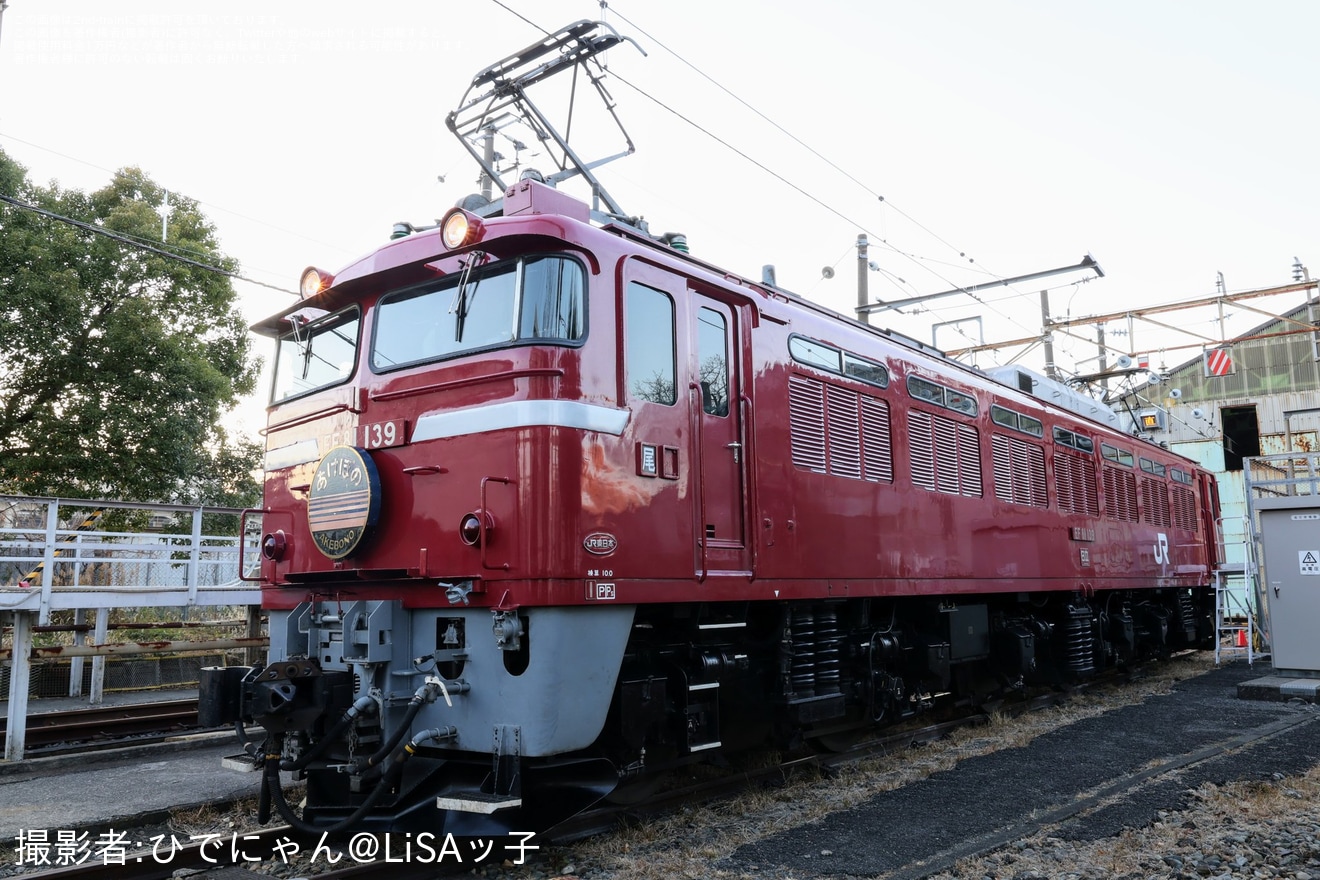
553	505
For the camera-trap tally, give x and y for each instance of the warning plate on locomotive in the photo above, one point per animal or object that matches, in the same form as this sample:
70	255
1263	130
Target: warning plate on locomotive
344	501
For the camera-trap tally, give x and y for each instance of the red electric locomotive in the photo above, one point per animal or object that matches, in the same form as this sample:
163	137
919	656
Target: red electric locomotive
552	505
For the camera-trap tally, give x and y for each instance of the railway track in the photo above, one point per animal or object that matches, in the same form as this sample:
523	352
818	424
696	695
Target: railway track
345	867
340	861
50	733
602	819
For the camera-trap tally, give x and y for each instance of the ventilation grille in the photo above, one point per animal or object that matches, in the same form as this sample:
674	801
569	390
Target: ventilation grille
1120	495
1155	503
1184	508
806	423
1074	483
838	431
946	455
1019	471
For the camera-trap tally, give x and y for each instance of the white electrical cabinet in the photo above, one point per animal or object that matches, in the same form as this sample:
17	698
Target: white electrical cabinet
1290	553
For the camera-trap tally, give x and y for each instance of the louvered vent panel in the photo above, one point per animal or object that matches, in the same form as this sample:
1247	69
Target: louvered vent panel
1184	508
1087	489
1130	497
1001	463
806	423
969	460
1120	495
1074	479
1019	471
1063	482
1038	494
877	454
844	433
921	447
946	456
1155	500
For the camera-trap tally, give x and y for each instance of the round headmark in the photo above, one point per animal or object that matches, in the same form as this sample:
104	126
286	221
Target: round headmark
344	500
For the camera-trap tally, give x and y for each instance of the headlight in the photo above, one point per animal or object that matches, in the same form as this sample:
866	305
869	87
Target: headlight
314	281
460	229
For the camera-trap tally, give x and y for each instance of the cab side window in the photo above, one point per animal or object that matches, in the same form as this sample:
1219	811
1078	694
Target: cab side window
649	354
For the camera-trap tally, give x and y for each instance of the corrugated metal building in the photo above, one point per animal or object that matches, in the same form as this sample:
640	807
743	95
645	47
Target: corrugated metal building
1256	395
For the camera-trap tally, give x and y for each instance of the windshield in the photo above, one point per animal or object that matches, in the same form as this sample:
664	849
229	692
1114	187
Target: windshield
538	298
315	354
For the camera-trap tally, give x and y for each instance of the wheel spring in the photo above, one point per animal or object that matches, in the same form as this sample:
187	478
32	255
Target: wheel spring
1187	613
827	651
1078	643
804	652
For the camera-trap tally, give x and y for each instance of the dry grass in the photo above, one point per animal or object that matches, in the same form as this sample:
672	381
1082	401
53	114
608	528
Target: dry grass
684	844
240	816
1222	818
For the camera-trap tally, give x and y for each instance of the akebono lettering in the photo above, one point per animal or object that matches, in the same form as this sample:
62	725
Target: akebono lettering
343	501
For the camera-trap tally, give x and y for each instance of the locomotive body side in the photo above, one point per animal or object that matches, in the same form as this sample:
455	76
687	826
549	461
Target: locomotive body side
565	507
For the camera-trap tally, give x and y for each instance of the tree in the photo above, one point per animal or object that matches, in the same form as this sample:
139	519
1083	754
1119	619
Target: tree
116	362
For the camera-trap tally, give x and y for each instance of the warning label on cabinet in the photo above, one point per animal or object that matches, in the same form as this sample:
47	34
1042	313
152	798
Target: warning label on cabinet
1309	561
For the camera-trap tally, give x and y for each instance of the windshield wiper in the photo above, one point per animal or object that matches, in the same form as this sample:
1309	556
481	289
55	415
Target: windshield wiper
462	302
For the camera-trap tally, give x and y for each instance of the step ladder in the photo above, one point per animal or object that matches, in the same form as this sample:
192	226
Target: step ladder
1235	617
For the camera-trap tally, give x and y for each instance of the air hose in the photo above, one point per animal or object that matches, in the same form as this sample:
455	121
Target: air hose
361	705
271	788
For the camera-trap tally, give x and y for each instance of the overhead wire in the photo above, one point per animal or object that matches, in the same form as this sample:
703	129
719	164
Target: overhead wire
208	205
123	239
784	131
831	209
780	177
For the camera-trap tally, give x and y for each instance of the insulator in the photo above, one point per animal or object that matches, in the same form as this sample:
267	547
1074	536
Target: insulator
827	651
804	652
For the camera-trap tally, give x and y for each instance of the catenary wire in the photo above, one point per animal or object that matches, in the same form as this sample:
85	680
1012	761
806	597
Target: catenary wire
780	177
810	149
210	206
122	239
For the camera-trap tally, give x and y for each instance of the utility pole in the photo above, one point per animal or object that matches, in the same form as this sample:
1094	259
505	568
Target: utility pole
863	279
488	185
1047	335
164	214
4	4
1104	358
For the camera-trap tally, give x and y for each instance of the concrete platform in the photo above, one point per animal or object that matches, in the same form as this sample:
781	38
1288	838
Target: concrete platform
104	790
1280	688
46	705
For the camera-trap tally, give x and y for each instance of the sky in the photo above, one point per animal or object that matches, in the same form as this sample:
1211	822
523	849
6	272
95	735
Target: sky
1174	141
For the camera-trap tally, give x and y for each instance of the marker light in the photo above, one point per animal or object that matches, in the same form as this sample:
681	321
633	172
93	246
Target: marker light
314	281
274	545
470	530
460	229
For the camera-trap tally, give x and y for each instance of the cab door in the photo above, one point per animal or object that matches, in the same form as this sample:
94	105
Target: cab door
714	392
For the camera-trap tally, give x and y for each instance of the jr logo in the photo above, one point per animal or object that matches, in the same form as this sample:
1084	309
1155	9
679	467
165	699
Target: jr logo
1162	549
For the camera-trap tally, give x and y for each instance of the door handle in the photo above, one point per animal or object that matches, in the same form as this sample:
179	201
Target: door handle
737	451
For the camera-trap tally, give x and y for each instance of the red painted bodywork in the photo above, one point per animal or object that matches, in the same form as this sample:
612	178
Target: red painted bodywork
781	532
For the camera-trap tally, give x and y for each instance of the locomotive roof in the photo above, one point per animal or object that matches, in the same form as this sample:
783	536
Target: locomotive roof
404	258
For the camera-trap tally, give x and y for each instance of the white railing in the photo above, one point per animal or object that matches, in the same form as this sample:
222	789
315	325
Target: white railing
72	554
55	553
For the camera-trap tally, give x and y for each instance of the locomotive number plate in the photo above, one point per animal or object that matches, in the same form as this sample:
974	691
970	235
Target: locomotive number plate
379	435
